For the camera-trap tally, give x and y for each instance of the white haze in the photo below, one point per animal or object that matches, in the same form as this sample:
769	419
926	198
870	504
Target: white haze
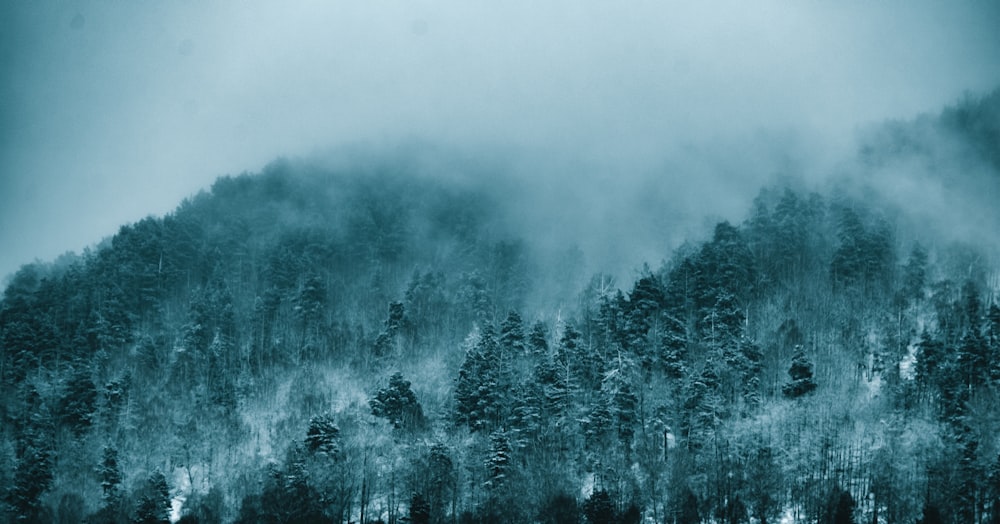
110	111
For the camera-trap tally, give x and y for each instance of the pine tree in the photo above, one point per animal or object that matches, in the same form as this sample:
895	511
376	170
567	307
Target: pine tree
626	406
154	504
512	335
499	462
585	364
688	512
110	473
398	404
480	390
930	360
34	458
673	347
323	436
802	376
438	479
597	425
420	509
931	515
598	508
702	408
32	478
915	275
526	415
386	342
993	341
79	401
538	340
843	508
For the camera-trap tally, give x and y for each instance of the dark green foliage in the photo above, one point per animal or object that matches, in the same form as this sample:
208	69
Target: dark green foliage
703	407
865	256
598	508
765	486
733	512
482	385
386	342
598	424
560	509
631	515
78	403
420	510
931	515
436	479
323	436
512	334
287	496
32	478
110	474
931	359
801	373
586	366
526	413
843	512
499	462
538	340
673	347
915	275
626	406
398	404
154	501
688	512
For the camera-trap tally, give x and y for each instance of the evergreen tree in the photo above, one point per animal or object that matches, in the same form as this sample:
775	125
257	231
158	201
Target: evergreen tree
930	360
479	388
34	459
323	436
398	404
931	515
420	510
915	275
673	347
585	364
843	508
560	509
32	478
597	425
993	341
688	512
802	376
79	401
110	474
154	502
386	342
512	339
538	340
626	406
702	408
526	414
499	462
598	508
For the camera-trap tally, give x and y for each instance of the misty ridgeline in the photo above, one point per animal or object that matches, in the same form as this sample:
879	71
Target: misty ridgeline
312	344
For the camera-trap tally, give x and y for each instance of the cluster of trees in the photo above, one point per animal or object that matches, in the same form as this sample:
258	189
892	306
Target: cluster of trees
301	346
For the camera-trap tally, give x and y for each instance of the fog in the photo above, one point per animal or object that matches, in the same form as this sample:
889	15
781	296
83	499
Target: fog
111	111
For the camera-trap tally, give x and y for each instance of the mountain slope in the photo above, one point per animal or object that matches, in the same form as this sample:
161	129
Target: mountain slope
372	343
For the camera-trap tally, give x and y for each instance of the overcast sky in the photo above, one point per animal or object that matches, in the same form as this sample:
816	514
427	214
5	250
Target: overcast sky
111	111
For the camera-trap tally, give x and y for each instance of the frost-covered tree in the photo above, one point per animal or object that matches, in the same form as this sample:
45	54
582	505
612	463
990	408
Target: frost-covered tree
398	404
801	373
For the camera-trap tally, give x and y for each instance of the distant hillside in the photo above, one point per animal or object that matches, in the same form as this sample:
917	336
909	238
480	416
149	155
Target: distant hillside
371	343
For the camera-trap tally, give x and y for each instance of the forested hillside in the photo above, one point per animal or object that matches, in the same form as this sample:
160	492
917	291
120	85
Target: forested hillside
364	344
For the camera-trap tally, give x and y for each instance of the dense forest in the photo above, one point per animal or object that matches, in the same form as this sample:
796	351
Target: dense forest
364	344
